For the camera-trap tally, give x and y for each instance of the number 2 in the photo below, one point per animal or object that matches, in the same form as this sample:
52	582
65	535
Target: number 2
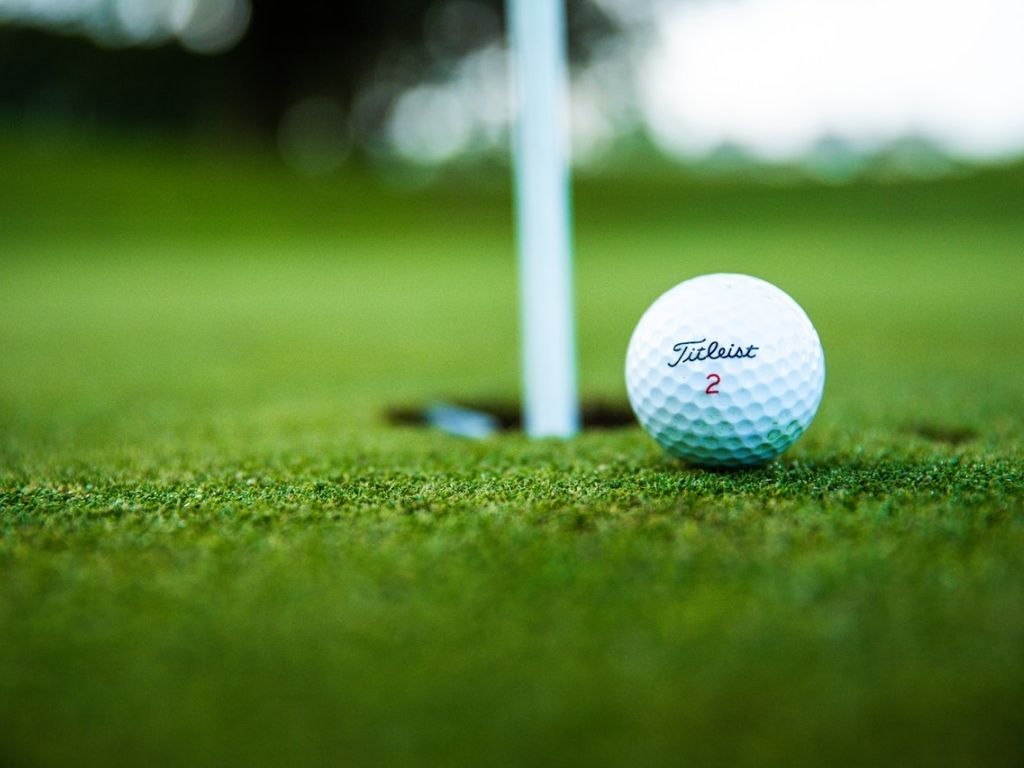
711	387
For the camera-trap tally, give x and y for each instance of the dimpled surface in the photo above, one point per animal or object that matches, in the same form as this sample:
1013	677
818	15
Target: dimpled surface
764	398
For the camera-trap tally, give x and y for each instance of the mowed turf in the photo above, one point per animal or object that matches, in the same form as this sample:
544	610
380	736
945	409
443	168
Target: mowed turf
215	551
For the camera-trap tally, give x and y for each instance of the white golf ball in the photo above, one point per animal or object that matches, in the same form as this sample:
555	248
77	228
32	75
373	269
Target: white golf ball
725	371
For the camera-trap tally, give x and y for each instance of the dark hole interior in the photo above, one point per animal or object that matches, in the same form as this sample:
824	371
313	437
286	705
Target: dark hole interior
595	414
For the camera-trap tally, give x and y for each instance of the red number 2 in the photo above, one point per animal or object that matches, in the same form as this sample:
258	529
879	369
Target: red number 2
711	387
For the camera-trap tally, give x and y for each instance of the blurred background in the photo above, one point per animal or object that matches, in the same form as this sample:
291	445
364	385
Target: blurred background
263	208
837	89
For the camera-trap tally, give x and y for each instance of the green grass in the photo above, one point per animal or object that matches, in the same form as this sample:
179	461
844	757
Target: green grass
213	549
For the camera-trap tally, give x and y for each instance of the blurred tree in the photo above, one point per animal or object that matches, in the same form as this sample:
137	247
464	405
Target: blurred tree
289	51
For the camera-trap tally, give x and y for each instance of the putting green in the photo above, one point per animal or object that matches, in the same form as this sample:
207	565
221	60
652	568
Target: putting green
215	550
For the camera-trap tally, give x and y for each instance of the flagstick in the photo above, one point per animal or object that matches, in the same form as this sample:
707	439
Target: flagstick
537	32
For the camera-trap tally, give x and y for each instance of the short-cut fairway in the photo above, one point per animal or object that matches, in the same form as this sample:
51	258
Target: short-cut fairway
214	549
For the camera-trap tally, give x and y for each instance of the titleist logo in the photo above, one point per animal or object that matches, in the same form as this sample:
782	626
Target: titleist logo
698	349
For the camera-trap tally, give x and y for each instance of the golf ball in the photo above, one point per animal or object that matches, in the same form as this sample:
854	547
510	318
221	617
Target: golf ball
725	371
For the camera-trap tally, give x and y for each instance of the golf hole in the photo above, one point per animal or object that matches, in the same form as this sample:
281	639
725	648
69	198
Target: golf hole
480	418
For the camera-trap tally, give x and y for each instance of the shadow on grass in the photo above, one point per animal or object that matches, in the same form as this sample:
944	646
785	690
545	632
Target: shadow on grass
939	433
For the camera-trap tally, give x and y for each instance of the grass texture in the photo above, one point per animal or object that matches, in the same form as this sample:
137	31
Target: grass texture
214	550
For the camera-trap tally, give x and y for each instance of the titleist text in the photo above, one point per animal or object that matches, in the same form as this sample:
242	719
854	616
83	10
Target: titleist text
697	350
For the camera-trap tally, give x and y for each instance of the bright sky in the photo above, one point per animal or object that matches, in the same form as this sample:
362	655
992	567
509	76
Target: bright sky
777	76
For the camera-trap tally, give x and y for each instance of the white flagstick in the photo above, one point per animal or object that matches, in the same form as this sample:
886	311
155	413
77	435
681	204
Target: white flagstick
537	32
